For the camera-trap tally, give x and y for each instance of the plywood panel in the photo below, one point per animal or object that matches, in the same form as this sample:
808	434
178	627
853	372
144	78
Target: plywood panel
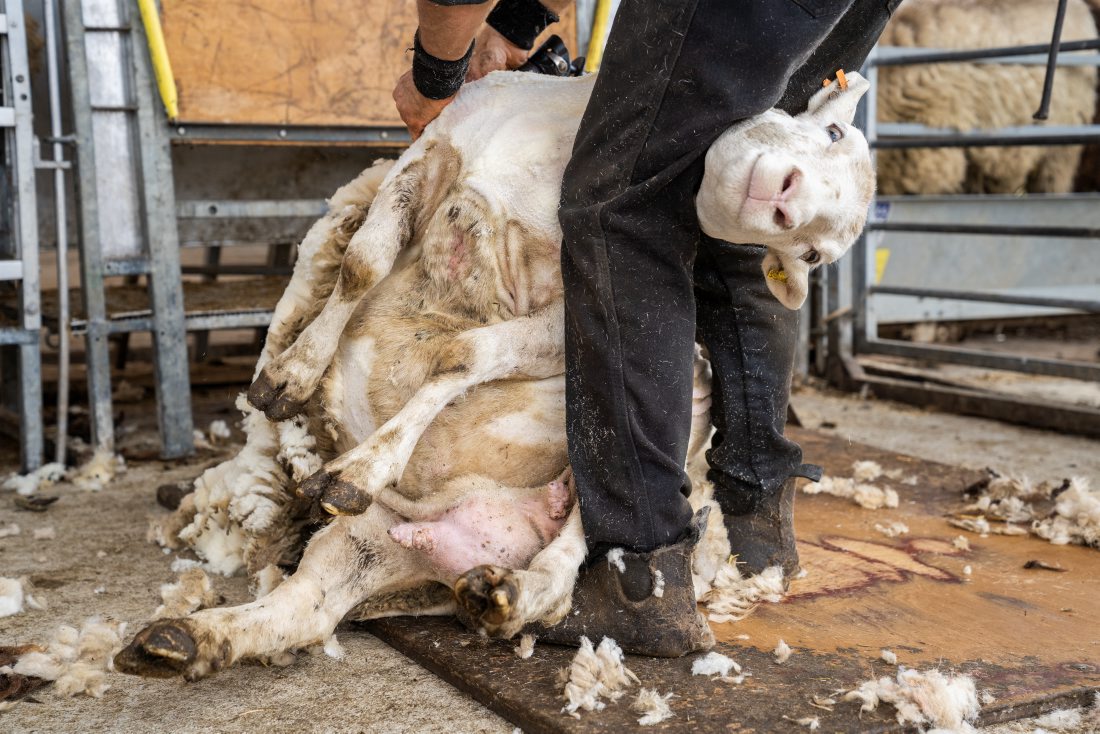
273	62
1030	638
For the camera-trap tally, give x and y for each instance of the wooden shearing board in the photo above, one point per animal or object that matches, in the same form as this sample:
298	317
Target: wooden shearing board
1030	638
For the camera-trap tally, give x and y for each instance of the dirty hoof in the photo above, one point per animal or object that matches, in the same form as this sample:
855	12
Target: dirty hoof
488	595
164	649
334	495
271	397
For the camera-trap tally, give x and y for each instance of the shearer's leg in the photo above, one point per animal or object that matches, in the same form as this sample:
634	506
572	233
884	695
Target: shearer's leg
751	340
676	74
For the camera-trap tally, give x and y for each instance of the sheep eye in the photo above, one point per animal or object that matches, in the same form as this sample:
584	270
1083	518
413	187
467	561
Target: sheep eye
836	132
813	257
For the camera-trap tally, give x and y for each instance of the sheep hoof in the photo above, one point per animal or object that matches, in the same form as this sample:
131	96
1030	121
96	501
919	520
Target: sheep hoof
338	497
164	649
487	595
262	392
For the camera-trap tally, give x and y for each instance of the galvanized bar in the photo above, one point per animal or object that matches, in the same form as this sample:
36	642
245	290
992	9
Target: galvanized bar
375	136
16	336
236	269
11	270
126	267
3	23
897	56
1017	137
96	327
173	380
20	152
913	129
258	209
7	117
978	358
1002	230
129	324
1075	304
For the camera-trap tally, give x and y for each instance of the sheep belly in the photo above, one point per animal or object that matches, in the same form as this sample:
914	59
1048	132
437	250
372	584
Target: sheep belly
488	529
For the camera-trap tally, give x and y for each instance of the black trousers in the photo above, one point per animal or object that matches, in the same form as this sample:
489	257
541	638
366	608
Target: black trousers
642	283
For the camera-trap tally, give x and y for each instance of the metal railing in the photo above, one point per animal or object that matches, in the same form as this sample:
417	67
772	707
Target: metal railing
846	315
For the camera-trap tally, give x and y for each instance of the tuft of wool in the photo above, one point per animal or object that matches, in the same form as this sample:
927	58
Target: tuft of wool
658	583
982	527
961	543
889	657
17	595
782	651
218	431
893	529
615	559
28	484
596	674
77	660
9	531
179	565
264	582
714	663
866	471
526	647
296	448
46	533
810	722
1076	516
94	474
733	597
191	591
923	698
199	439
867	496
334	649
652	706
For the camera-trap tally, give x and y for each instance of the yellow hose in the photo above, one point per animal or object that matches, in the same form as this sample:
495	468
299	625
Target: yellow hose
158	51
599	35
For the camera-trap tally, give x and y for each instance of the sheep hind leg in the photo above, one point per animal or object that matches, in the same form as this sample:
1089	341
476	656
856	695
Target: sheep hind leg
350	561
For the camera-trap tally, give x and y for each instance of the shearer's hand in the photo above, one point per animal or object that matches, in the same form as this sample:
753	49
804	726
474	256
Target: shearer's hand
415	109
493	52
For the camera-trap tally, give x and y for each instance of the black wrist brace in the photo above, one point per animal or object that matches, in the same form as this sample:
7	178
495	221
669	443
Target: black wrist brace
521	21
438	78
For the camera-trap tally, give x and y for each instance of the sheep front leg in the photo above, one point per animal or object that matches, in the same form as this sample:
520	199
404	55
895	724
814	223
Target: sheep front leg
349	561
501	602
287	381
529	346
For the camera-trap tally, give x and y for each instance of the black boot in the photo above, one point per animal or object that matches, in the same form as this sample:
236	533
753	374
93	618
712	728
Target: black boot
644	601
765	536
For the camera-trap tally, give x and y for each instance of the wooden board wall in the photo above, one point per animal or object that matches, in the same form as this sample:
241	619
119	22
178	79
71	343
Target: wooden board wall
273	62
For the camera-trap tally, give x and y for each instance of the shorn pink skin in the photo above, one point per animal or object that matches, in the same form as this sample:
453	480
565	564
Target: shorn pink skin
482	530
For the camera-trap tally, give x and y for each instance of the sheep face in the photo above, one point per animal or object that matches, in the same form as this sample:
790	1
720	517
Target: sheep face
799	185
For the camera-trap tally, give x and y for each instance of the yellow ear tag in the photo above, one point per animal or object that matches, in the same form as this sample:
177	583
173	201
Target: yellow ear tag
778	274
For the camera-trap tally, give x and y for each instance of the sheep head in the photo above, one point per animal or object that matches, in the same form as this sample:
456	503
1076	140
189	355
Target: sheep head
799	185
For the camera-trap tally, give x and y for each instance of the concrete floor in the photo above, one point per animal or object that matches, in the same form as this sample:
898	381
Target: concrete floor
374	688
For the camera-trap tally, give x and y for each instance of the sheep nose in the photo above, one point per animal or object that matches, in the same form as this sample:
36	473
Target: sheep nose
791	184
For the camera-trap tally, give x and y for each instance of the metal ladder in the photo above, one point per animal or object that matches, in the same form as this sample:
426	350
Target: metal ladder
19	249
126	203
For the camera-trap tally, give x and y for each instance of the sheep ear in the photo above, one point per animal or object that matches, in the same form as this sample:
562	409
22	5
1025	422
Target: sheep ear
788	279
833	104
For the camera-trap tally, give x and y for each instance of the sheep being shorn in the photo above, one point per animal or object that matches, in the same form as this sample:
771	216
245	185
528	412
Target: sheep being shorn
972	96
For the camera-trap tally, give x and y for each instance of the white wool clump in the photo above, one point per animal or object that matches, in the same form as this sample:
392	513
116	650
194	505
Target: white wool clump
923	698
94	474
77	661
595	675
733	597
960	543
17	594
615	559
866	471
526	647
892	530
811	722
199	439
982	527
868	496
658	583
46	533
653	706
334	649
889	657
782	651
191	591
714	663
10	531
179	565
296	448
1076	517
266	580
28	484
218	430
